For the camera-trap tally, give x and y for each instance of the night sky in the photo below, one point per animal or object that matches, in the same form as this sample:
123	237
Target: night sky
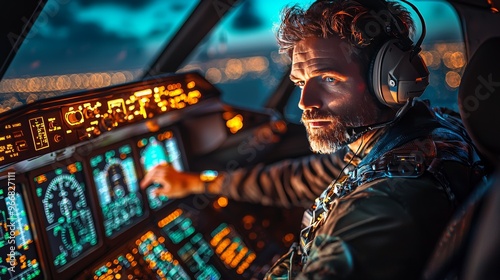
79	36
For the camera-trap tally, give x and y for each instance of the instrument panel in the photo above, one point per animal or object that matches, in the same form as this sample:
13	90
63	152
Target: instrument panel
54	124
155	149
70	202
117	187
68	223
20	258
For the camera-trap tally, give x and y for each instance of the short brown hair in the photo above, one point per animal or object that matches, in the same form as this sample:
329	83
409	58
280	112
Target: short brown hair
348	19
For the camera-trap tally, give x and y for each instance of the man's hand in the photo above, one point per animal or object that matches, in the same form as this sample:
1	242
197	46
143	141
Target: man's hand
174	184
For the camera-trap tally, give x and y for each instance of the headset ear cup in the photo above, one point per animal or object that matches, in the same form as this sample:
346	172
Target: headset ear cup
371	88
370	75
398	74
377	75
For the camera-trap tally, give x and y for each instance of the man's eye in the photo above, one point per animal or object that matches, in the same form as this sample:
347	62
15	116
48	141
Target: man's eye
330	80
300	84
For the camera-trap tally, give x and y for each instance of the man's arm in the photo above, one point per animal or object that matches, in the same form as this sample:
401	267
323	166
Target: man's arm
291	182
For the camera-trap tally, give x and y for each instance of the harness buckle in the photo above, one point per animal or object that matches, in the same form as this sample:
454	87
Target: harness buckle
406	165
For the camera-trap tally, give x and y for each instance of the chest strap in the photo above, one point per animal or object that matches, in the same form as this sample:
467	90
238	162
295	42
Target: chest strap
410	160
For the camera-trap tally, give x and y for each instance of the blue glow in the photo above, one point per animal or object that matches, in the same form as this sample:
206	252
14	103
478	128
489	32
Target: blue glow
117	188
15	231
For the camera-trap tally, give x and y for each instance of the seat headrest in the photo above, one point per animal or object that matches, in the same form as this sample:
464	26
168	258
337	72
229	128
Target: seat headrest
479	99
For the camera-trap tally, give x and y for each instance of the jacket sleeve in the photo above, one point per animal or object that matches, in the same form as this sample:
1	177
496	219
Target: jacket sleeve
291	182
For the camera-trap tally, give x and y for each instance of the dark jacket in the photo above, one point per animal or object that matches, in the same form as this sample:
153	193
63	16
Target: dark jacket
387	222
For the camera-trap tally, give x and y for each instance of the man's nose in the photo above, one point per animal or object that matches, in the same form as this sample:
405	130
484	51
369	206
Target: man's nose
310	96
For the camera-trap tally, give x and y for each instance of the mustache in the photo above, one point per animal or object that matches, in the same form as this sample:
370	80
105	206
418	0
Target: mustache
317	114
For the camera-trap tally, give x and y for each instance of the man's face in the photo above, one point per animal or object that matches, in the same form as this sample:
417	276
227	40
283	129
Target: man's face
334	95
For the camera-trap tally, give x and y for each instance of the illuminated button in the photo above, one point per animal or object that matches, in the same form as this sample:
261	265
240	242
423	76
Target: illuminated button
89	113
57	138
74	117
18	134
119	116
82	134
21	146
106	123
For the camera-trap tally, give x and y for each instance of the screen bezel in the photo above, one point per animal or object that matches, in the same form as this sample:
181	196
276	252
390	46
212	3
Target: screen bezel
133	228
142	171
33	220
76	265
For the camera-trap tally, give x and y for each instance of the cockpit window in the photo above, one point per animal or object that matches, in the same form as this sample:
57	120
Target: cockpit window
240	56
443	50
83	44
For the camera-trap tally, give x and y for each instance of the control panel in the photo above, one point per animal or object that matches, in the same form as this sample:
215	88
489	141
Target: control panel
50	125
83	215
147	257
19	256
67	219
117	188
155	149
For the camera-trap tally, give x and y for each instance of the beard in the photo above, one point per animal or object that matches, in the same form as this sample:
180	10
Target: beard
329	139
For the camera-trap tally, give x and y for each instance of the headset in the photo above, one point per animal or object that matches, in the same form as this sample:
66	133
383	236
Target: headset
397	73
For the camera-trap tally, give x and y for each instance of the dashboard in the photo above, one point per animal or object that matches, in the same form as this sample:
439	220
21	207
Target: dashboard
70	202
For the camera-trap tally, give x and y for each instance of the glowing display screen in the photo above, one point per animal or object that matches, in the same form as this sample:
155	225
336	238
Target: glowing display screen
67	216
177	226
196	255
117	189
155	262
230	248
18	256
159	149
196	252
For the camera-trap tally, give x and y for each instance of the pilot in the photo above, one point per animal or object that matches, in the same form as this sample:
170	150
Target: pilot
399	167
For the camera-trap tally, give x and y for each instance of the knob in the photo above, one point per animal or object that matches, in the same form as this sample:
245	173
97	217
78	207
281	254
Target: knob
88	113
119	116
74	117
106	123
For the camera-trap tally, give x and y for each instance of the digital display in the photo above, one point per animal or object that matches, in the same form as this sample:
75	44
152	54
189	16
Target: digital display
177	226
195	252
67	216
12	142
230	248
39	133
117	189
196	255
147	259
159	149
18	256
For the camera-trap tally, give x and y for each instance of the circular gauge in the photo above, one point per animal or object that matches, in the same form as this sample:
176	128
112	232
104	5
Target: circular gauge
67	213
59	197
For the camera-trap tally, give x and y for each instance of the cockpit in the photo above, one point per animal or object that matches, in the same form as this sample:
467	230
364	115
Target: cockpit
96	93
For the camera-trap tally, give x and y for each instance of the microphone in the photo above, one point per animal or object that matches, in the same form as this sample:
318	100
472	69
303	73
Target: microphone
354	133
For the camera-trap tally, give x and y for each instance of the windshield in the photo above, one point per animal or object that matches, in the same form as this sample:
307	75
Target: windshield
240	56
82	44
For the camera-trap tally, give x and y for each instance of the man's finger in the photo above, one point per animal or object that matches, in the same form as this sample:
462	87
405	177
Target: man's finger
155	173
148	178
